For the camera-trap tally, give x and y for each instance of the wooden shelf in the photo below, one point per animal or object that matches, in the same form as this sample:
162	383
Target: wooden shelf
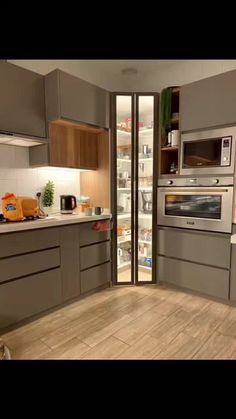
169	148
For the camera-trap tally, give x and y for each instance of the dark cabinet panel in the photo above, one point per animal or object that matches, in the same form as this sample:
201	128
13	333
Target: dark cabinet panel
88	235
70	98
94	255
95	277
28	241
201	278
28	296
209	102
207	248
22	101
22	265
70	262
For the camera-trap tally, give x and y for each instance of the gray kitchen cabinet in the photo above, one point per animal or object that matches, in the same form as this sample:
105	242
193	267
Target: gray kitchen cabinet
200	247
201	278
70	98
195	260
95	277
47	267
69	242
28	296
22	101
208	102
232	293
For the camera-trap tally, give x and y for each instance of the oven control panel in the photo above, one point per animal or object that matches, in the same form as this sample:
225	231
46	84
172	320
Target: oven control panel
225	151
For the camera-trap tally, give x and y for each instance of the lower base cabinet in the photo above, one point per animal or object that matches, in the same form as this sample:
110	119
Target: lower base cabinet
204	279
95	277
28	296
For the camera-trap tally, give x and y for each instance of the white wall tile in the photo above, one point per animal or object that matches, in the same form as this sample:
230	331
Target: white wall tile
16	176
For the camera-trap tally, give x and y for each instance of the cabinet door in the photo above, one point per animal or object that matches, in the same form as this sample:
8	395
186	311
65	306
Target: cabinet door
22	101
86	150
209	102
76	100
62	146
70	272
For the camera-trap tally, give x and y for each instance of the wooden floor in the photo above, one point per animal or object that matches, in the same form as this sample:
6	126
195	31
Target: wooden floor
146	322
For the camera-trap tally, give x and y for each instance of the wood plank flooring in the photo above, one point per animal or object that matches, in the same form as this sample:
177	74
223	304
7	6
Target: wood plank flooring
146	322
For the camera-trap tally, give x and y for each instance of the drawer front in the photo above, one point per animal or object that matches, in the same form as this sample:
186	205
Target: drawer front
28	241
205	279
17	266
88	236
28	296
95	277
207	248
94	255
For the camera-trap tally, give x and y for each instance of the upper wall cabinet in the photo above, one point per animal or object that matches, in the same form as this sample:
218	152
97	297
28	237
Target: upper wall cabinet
73	99
209	102
22	101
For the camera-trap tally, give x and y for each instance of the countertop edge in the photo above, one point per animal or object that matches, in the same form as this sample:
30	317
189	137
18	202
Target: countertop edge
57	222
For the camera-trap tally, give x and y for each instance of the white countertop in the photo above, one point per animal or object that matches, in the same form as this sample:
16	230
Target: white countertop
51	221
233	239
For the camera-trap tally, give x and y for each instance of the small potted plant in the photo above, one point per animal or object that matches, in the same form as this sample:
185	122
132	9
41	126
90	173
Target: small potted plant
48	196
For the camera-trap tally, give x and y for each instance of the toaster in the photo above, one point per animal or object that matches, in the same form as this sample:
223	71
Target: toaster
29	206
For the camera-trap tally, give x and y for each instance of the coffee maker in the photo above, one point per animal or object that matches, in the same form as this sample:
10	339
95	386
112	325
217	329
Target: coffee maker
147	202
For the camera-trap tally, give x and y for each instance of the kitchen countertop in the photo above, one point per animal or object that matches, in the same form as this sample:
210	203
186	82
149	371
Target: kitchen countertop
51	221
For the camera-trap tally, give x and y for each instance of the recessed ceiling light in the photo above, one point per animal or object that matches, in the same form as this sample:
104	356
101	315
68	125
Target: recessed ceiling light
129	71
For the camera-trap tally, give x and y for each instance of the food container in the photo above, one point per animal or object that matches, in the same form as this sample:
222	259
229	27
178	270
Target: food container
11	207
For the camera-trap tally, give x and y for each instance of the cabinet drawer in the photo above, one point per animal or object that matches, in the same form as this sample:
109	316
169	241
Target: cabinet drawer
208	248
95	277
28	296
28	241
94	255
88	236
205	279
17	266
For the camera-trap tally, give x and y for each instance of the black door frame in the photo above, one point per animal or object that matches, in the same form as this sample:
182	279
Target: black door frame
134	190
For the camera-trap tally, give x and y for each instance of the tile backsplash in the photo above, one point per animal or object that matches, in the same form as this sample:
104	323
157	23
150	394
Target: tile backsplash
16	176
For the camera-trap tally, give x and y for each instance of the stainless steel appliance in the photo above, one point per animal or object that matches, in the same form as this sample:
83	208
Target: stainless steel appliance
210	152
196	203
68	204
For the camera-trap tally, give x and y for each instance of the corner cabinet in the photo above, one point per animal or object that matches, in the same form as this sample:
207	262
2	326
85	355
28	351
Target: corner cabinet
22	101
209	102
70	98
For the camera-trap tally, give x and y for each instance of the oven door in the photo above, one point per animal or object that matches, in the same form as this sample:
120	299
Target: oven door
197	208
208	152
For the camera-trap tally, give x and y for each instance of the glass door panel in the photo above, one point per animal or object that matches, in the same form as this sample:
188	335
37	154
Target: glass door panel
124	202
144	153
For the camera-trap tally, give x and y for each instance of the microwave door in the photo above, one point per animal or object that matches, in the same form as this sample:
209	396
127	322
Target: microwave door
208	152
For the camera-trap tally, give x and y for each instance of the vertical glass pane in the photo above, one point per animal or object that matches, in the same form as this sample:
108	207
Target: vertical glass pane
124	156
145	187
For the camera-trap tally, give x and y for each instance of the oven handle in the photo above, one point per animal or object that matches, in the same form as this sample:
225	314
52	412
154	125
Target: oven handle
183	191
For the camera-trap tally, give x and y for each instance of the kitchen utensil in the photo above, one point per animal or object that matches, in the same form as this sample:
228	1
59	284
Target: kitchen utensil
88	211
67	204
175	138
147	202
98	210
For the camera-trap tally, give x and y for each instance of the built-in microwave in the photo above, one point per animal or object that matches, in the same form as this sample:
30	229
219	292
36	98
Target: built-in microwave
210	152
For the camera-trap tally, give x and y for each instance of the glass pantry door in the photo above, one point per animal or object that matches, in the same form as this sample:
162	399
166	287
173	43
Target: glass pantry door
124	189
144	188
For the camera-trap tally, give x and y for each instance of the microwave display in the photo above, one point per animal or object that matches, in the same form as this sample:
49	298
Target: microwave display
203	153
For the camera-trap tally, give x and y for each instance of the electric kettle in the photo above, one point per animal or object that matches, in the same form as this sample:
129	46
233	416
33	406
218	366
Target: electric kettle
67	204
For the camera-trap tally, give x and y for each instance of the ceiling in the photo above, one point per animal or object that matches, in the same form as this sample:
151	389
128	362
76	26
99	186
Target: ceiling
105	73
